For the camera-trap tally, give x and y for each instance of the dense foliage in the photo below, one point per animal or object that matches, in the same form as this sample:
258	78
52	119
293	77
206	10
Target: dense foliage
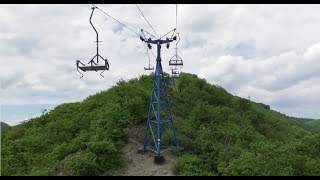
221	134
228	135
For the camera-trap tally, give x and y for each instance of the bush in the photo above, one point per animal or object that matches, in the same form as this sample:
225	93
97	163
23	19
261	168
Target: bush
191	165
82	164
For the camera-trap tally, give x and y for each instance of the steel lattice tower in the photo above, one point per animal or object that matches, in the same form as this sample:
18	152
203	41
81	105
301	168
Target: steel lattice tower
160	131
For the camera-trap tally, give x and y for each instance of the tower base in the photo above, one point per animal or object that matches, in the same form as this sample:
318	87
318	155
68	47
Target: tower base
159	159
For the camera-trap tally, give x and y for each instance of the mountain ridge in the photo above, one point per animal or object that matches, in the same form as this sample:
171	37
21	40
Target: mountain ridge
4	127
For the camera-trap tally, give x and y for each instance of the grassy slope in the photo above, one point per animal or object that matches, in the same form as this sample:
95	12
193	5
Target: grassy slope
221	134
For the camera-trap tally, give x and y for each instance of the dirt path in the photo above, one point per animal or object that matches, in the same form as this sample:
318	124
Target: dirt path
142	164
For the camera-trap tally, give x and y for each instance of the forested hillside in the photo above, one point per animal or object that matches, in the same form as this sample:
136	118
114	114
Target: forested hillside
5	127
314	124
221	134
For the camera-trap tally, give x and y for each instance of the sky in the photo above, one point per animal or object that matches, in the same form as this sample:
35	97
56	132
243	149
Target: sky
268	53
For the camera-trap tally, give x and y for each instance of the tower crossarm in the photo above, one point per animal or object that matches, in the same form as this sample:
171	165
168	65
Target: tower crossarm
158	41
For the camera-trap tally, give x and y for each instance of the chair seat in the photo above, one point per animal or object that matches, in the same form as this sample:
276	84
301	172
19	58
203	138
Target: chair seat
175	62
92	68
148	68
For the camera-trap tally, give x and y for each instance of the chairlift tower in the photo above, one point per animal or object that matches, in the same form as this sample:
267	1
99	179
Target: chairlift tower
160	122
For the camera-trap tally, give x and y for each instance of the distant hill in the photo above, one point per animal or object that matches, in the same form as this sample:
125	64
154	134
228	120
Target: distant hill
315	124
4	127
303	119
309	124
221	134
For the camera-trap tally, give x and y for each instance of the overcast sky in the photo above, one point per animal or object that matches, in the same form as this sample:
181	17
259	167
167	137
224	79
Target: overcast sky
270	53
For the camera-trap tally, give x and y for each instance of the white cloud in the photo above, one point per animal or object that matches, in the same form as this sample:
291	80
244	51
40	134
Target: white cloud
267	52
287	80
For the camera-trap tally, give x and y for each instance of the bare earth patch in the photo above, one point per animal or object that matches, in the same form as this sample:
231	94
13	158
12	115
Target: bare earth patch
137	164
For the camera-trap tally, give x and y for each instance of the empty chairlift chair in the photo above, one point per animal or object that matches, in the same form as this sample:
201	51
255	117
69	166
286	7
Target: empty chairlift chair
175	72
94	65
176	60
149	67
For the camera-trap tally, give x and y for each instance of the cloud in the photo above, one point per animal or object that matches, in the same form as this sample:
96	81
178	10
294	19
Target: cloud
287	80
267	52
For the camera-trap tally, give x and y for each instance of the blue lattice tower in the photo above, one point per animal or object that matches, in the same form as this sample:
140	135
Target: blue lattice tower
160	133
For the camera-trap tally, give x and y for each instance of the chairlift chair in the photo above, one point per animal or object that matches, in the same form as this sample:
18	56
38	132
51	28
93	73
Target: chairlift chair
94	66
174	72
176	60
149	67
